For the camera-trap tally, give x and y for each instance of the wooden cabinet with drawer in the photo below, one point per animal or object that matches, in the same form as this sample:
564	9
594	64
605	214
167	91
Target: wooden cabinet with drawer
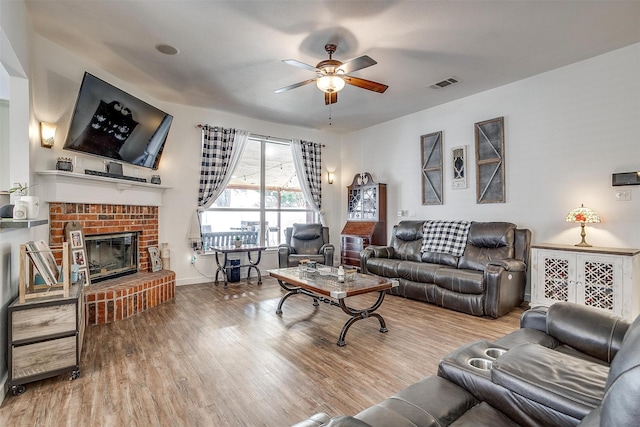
45	338
366	218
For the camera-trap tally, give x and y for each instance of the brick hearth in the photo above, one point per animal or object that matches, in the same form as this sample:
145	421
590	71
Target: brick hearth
122	297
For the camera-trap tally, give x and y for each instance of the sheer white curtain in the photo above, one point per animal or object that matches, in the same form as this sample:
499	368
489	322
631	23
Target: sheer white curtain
221	151
307	159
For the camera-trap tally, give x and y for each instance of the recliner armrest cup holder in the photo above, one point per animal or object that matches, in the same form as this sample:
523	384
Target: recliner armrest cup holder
493	352
480	363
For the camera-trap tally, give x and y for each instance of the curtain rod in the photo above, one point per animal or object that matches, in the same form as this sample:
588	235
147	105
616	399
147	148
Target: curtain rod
257	135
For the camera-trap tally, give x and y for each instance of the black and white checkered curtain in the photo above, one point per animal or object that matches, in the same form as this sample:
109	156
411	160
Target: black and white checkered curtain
221	150
307	159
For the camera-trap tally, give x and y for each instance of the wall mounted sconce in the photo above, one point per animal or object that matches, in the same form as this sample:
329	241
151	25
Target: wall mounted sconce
582	215
330	177
47	134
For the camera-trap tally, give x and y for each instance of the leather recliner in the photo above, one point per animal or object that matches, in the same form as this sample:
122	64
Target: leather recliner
305	241
584	342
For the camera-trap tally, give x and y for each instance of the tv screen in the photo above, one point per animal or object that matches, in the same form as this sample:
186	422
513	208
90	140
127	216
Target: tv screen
109	122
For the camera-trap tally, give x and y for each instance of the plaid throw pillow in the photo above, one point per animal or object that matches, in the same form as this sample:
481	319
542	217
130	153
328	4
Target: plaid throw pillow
446	237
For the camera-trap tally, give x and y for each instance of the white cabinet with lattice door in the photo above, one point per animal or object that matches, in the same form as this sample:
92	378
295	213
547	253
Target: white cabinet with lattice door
605	278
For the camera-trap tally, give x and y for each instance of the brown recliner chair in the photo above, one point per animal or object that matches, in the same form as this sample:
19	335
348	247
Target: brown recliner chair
305	241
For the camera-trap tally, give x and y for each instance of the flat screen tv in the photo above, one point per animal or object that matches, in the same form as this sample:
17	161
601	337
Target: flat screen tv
110	123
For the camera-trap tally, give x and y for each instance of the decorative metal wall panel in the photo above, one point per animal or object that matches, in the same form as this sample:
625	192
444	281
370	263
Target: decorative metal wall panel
490	176
431	156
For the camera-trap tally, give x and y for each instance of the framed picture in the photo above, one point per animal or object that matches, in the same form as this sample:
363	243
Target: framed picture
431	157
490	185
74	234
78	258
76	239
459	167
155	262
82	277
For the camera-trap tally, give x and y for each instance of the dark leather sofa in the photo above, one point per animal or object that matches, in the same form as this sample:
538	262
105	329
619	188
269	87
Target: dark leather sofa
569	365
489	279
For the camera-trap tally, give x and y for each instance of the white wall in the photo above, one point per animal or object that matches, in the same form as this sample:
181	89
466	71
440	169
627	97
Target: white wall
57	77
15	52
566	132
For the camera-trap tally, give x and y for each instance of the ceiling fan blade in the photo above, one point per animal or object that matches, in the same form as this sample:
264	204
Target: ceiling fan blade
365	84
356	64
299	64
293	86
330	98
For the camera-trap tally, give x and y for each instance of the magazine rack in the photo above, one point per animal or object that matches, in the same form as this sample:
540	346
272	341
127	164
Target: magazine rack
28	289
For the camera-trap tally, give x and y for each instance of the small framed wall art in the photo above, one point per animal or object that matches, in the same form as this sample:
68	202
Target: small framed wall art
459	167
490	184
74	234
155	262
431	158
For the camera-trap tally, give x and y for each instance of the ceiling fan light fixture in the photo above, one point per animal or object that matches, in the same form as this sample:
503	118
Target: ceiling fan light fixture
330	84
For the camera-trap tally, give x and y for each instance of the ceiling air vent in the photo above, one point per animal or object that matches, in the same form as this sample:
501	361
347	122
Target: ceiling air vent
446	82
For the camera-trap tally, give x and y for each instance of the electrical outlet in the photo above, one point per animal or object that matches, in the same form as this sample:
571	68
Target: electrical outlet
623	195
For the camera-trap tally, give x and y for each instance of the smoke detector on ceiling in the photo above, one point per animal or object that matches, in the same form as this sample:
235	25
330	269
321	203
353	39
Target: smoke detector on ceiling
445	83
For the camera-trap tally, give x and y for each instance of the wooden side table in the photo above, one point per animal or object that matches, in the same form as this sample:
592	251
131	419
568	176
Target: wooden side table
605	278
45	338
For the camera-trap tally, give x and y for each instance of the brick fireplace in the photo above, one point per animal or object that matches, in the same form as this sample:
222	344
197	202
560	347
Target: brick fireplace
124	297
101	219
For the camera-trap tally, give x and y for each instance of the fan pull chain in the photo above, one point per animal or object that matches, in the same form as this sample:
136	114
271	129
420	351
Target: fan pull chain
329	114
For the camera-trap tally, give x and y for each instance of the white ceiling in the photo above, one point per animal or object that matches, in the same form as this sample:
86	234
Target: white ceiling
231	51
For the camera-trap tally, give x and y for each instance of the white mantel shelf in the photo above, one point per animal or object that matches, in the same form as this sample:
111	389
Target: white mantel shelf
69	187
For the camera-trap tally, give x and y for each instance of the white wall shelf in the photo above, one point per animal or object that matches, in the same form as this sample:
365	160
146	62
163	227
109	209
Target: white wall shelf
21	223
61	186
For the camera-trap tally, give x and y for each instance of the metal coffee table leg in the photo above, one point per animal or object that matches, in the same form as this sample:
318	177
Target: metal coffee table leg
360	314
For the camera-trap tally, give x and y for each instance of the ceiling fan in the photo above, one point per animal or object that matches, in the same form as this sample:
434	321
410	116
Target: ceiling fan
332	75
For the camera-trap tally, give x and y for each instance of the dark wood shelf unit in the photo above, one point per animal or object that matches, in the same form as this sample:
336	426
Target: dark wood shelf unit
366	218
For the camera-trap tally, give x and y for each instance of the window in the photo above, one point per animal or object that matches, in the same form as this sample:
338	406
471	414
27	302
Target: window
262	198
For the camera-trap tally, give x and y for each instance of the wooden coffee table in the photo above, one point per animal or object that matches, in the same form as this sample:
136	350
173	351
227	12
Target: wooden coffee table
328	290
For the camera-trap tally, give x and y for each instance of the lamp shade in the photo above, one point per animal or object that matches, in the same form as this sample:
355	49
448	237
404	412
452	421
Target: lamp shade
330	83
582	215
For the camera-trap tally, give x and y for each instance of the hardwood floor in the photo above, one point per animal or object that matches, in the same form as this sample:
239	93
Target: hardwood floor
222	357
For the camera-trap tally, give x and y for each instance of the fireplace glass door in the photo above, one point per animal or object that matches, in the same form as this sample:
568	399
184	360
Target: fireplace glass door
112	255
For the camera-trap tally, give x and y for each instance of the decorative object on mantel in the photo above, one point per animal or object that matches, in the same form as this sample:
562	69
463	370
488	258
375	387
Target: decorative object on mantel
64	164
165	256
74	234
582	215
155	179
155	263
490	177
431	157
